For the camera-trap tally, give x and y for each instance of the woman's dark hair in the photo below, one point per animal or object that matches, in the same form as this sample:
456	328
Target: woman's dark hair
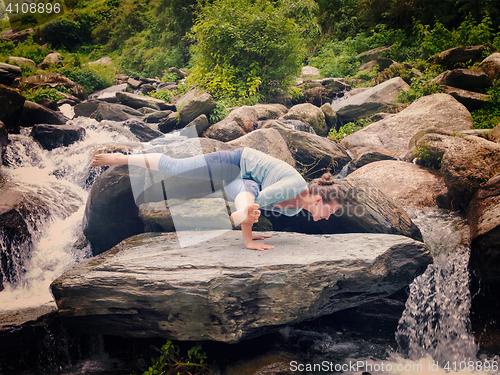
325	187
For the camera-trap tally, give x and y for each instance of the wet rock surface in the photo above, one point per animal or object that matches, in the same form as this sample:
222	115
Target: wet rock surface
148	286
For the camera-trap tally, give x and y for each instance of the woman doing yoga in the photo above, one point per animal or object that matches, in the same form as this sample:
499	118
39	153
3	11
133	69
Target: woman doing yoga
253	179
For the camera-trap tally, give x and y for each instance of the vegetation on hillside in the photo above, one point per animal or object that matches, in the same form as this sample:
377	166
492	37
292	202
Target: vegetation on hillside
244	51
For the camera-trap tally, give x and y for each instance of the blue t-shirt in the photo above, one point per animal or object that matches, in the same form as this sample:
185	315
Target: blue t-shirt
278	180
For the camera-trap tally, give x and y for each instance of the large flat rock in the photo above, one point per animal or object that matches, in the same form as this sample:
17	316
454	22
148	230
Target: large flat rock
148	286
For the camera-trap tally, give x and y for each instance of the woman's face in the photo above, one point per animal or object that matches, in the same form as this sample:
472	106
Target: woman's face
324	210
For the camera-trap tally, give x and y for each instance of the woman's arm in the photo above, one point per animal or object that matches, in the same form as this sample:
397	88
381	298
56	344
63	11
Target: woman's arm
149	161
247	213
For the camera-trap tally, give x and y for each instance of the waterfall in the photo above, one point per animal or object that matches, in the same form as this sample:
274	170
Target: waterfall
54	186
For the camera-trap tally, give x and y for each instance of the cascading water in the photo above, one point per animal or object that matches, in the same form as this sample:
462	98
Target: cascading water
54	186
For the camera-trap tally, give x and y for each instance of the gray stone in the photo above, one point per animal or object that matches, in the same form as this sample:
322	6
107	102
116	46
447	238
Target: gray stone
141	130
389	138
465	79
154	116
54	80
408	184
330	115
370	101
240	121
269	111
315	155
491	65
452	56
9	73
309	71
170	123
196	127
53	58
11	107
372	54
147	286
4	139
335	84
309	114
466	163
86	108
34	113
194	104
470	99
381	63
484	219
138	101
109	92
114	112
53	136
269	141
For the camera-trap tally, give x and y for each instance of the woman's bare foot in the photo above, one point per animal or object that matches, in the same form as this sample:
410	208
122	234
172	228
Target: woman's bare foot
101	160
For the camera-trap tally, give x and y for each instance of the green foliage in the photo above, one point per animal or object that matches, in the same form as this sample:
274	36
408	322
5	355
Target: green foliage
428	156
63	33
404	71
422	86
41	93
165	95
170	361
92	79
348	129
28	49
489	116
219	113
439	38
245	49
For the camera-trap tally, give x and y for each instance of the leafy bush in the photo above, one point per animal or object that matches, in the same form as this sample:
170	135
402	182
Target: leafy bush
348	129
245	48
428	156
63	33
41	93
219	113
170	361
489	116
92	79
165	95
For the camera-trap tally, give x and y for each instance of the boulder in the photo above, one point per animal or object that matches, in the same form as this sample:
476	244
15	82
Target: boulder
366	209
17	37
370	101
309	71
196	127
197	214
170	123
330	115
34	113
139	101
314	154
484	219
465	79
452	56
141	130
491	65
218	291
309	114
240	121
68	99
4	139
335	84
193	104
112	210
381	63
470	99
114	112
11	107
466	163
106	60
269	111
53	136
9	73
317	96
86	108
408	184
389	138
155	116
52	59
109	93
22	62
494	135
54	80
372	54
269	141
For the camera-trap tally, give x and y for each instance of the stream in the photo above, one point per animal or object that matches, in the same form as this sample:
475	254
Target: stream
433	334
